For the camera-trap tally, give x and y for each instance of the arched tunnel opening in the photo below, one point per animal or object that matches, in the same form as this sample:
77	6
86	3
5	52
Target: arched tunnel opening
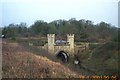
63	56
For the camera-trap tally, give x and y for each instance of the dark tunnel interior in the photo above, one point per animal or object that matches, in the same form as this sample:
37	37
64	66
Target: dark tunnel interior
63	56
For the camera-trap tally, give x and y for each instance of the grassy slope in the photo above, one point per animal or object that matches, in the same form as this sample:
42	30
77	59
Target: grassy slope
19	62
103	58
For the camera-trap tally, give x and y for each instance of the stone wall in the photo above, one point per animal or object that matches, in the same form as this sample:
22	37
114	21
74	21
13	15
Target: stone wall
63	48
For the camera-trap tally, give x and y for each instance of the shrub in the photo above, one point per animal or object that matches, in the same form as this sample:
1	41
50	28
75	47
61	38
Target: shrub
13	38
93	46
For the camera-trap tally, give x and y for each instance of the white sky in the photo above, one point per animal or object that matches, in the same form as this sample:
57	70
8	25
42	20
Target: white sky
16	11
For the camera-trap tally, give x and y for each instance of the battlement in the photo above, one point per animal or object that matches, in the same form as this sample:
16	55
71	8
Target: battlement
70	35
50	35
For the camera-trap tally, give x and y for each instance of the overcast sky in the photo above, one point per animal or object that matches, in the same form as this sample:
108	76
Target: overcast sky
16	11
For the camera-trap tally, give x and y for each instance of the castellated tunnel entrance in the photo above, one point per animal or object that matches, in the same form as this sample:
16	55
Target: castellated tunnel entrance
61	47
62	55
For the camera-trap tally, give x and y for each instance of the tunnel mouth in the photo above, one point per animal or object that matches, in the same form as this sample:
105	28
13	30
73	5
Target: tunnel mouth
62	55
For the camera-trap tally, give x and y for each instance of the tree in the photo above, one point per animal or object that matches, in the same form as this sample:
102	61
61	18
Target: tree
52	29
40	27
83	29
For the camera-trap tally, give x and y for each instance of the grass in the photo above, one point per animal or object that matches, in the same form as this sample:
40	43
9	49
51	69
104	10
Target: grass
105	59
19	62
101	58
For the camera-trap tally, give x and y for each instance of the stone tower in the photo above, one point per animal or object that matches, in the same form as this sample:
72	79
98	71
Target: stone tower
70	40
51	42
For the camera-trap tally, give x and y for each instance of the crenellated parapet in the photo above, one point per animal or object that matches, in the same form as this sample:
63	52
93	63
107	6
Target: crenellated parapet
50	35
70	35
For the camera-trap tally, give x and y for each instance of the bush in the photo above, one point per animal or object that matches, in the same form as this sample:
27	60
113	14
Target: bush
13	38
93	46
